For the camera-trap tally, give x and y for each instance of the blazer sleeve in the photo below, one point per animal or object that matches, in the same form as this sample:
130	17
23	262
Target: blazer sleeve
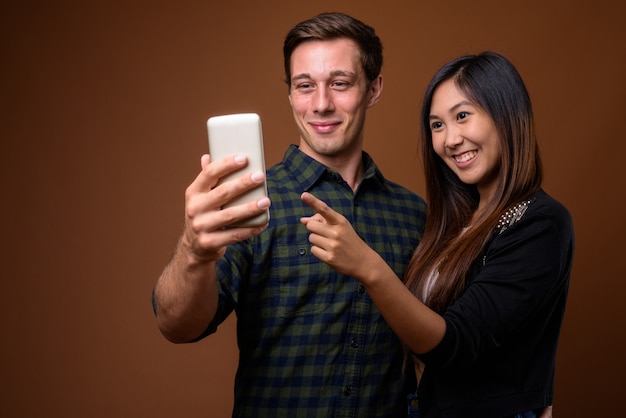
524	270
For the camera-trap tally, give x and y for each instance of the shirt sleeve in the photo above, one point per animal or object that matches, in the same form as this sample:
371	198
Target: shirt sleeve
230	271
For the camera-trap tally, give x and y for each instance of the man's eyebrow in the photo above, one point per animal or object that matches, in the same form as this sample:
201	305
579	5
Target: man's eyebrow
343	73
301	76
336	73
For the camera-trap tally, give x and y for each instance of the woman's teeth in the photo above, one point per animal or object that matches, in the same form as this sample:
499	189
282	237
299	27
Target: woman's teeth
465	156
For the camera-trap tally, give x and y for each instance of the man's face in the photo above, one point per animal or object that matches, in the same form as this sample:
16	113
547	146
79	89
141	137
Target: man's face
329	98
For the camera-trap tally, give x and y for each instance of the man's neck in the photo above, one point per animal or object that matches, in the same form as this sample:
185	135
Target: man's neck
349	165
350	168
352	173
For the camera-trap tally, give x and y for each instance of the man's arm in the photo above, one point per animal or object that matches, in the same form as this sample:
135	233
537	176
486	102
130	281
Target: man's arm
186	294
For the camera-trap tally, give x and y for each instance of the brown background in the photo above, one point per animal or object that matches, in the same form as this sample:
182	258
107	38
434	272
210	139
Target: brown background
102	123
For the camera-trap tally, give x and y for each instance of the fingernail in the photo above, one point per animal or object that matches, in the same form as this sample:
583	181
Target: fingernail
263	203
257	176
240	158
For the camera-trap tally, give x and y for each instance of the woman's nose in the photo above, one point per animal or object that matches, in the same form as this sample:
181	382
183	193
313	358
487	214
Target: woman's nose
453	139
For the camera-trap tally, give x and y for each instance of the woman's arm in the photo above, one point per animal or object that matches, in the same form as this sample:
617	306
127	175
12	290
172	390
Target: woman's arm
335	242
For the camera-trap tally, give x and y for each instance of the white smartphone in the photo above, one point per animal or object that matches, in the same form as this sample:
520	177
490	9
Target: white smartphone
240	133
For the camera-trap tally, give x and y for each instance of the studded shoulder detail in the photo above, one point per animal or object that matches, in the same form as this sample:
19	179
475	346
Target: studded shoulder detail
512	215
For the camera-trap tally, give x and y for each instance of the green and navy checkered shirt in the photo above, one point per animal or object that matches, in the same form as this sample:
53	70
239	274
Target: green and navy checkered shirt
312	343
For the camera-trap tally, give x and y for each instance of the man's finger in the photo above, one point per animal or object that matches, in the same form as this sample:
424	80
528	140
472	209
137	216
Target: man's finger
211	171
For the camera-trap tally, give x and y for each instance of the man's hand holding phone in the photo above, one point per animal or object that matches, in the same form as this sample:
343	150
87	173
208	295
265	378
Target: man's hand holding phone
207	221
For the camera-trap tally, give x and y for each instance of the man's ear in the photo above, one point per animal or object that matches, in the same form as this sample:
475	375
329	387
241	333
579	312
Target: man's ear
376	91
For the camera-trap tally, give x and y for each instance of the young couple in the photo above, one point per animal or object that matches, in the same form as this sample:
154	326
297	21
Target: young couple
337	305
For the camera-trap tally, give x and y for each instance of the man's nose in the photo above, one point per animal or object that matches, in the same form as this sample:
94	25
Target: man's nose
322	100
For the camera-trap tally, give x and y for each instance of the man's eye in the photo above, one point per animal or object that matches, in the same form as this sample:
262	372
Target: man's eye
340	84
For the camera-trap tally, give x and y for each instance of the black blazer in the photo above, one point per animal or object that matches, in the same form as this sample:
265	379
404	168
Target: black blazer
498	354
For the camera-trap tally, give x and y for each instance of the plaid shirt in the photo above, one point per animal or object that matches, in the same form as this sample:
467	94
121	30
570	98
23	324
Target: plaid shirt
312	343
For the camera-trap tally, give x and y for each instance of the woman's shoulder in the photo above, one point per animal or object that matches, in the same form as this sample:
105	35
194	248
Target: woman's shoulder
539	207
544	203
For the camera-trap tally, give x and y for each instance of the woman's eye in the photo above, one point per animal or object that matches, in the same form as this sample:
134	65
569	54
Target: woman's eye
435	125
462	115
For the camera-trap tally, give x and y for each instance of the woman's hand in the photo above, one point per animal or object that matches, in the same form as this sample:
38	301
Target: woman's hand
335	242
547	412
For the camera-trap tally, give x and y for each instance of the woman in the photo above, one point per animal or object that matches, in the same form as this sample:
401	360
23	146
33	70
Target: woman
486	289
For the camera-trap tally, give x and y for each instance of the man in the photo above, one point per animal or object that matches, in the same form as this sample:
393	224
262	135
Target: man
311	341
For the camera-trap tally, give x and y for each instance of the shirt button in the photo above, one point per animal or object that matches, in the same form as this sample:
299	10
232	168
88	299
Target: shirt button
301	251
347	391
354	343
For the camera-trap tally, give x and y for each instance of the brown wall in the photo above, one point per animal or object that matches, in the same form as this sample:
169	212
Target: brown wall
102	122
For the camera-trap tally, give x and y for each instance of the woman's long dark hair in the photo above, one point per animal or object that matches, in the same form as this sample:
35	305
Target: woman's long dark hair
492	83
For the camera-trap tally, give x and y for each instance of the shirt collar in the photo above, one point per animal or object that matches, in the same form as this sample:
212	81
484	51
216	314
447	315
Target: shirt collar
308	171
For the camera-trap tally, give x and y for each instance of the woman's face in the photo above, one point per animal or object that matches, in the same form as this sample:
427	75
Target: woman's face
465	137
